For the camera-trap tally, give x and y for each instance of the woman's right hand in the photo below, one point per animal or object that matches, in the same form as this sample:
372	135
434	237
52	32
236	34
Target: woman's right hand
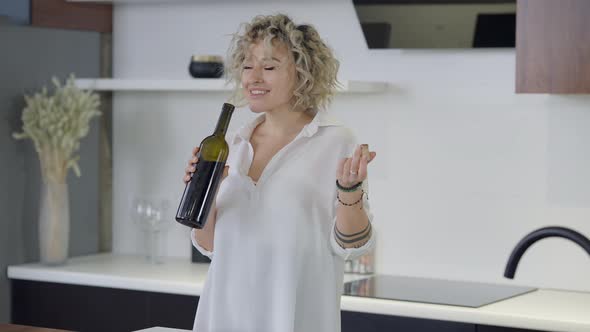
190	169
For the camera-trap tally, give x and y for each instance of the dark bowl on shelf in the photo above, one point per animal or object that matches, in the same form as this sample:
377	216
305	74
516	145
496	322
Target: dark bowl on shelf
206	66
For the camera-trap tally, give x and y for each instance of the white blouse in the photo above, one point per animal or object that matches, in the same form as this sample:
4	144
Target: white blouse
276	265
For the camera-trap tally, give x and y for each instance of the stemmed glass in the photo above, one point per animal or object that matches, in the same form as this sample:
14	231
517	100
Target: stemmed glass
147	214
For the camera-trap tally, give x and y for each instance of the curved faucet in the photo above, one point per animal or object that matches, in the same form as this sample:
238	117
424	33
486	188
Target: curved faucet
537	235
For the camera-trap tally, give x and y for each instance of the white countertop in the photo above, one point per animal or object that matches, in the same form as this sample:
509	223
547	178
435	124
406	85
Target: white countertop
544	309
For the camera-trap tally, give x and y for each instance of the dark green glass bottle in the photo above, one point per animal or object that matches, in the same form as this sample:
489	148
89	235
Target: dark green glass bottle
200	191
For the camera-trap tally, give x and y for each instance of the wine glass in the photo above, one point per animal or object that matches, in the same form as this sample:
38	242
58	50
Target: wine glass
149	217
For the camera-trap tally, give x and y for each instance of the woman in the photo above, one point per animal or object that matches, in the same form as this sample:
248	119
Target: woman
292	205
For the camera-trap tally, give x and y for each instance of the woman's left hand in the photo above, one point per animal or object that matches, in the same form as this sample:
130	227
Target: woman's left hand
354	169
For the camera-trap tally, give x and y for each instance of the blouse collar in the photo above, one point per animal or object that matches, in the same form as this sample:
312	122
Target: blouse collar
321	119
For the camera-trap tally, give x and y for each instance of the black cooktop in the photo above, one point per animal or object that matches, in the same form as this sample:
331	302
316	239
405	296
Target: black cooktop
436	291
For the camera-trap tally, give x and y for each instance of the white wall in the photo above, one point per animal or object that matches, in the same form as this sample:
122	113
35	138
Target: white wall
465	167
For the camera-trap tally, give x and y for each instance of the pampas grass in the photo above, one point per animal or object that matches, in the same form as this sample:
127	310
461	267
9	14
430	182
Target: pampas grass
56	123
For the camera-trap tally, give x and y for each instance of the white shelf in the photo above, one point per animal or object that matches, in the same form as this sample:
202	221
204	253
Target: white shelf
139	2
144	2
203	85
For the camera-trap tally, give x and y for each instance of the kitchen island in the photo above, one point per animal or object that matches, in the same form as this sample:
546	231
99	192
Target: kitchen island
133	276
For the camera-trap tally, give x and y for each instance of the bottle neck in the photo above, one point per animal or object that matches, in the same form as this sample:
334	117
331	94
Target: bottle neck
223	122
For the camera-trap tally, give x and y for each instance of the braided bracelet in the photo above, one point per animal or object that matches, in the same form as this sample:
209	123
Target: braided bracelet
351	204
341	238
348	189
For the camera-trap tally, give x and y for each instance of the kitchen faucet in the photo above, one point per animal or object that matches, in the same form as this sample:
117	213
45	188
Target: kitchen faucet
537	235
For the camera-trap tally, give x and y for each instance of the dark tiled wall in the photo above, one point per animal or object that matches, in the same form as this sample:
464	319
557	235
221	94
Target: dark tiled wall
29	58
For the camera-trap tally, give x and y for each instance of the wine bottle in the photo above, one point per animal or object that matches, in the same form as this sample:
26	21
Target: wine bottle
200	191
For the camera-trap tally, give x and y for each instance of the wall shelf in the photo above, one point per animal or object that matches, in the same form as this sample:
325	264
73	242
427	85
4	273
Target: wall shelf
201	85
144	2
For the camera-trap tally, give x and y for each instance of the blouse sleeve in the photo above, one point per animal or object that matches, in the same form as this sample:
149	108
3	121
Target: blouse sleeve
202	250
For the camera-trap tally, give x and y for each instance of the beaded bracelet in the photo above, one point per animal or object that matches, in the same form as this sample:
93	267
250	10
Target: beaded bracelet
351	204
349	189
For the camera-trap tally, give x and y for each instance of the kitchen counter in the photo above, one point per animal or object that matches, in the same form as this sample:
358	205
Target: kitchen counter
544	309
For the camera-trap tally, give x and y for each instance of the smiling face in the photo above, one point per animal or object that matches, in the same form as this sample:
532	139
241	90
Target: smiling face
268	78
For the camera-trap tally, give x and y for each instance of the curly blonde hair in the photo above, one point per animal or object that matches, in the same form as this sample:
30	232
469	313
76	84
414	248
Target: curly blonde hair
315	64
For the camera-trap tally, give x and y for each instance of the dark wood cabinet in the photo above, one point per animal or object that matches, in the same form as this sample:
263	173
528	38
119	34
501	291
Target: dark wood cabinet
89	309
553	46
62	14
365	322
172	310
84	308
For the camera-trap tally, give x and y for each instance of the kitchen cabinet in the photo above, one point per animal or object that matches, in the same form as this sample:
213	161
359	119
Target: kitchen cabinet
89	309
367	322
553	46
62	14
